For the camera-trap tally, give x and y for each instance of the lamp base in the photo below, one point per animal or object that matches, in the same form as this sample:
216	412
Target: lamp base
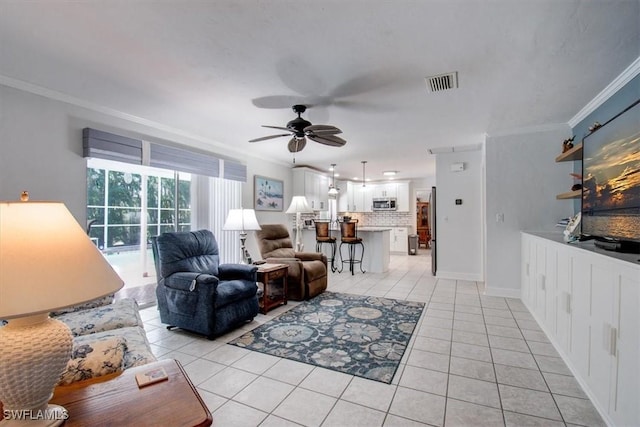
52	416
245	258
34	351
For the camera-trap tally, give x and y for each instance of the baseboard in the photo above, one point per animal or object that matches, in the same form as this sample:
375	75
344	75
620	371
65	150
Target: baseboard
458	276
502	292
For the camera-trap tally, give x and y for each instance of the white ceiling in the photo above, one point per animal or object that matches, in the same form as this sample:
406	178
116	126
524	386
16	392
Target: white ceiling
206	67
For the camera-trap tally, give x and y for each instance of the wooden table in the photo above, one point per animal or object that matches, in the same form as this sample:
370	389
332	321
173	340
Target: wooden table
116	400
274	285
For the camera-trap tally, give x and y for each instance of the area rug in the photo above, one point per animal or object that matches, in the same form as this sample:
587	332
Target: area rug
358	335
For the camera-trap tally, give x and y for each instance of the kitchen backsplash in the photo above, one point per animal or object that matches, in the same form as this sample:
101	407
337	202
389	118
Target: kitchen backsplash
374	219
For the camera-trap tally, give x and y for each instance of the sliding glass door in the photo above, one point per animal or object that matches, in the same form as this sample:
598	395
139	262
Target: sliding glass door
127	205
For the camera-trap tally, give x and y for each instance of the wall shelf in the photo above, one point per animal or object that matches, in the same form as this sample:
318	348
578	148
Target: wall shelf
570	195
570	155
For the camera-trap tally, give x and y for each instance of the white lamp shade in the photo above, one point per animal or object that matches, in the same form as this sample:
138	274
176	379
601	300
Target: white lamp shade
47	261
241	220
299	205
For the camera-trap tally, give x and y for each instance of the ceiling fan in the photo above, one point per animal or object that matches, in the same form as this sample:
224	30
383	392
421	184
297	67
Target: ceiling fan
301	129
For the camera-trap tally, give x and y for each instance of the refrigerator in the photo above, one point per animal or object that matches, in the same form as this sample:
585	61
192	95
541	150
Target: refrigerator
434	231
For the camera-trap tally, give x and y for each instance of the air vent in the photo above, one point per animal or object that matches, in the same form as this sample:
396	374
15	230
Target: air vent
442	82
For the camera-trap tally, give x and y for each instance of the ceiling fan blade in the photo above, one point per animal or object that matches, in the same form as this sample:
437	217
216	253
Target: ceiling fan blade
334	141
277	101
322	130
264	138
296	144
277	127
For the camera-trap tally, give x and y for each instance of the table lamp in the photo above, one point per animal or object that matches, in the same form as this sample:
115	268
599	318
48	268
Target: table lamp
242	220
298	206
47	262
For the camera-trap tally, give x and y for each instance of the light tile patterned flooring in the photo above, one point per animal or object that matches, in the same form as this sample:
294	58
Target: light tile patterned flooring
474	360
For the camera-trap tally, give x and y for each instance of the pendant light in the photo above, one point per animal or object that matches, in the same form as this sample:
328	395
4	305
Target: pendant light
333	190
363	182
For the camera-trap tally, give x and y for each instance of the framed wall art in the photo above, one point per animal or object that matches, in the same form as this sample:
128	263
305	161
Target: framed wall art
268	194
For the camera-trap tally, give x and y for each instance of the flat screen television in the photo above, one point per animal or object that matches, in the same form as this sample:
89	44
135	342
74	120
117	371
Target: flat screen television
611	182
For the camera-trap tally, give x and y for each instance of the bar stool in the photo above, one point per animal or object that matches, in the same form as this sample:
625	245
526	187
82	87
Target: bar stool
323	235
349	236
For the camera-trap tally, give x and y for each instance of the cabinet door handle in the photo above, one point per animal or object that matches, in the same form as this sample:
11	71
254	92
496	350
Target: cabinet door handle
614	341
527	269
542	282
568	304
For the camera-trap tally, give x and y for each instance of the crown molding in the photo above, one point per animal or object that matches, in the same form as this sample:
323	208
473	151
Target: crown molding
551	127
203	143
625	77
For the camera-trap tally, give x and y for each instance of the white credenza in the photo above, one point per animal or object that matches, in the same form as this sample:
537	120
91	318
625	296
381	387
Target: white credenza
588	302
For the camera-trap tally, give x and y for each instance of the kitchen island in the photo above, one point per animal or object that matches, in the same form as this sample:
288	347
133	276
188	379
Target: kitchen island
376	242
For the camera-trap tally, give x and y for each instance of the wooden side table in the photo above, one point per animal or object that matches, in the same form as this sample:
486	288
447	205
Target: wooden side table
274	285
116	400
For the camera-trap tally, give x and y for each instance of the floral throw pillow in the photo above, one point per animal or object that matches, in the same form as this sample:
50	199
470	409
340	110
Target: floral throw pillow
98	302
92	359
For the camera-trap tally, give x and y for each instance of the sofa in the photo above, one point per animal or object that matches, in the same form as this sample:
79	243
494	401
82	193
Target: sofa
108	338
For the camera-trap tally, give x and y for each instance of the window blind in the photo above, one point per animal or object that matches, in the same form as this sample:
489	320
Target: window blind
234	171
109	146
180	159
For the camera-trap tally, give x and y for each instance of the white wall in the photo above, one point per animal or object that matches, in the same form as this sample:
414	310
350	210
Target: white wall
41	151
522	180
459	227
263	168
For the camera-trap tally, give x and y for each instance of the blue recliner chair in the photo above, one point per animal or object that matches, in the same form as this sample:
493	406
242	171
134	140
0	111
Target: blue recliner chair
197	293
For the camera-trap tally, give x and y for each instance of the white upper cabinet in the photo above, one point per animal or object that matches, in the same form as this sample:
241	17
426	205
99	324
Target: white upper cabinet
388	189
402	197
314	186
356	198
362	198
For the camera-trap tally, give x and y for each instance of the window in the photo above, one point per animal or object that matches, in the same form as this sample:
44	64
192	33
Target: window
116	200
118	193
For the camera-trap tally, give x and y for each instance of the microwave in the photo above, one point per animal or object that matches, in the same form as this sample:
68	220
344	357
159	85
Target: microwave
384	204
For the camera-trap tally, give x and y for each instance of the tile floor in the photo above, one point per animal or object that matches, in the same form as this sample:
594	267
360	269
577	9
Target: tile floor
474	360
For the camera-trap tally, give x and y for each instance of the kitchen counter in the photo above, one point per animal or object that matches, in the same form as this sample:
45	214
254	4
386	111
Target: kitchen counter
376	242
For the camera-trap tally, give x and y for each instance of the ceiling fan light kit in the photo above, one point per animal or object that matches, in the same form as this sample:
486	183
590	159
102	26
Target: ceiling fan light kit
300	129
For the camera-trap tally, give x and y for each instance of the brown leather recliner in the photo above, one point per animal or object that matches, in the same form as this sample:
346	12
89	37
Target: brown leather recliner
307	276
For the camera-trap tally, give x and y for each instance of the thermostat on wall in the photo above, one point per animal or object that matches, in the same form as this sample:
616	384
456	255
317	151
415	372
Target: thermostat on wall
457	167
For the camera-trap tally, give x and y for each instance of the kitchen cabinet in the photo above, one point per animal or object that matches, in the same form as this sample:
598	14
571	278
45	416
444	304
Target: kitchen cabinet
403	199
356	198
362	198
314	186
587	303
345	196
398	190
399	239
387	189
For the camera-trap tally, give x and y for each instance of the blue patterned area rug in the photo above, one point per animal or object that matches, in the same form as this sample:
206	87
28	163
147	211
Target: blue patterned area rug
358	335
